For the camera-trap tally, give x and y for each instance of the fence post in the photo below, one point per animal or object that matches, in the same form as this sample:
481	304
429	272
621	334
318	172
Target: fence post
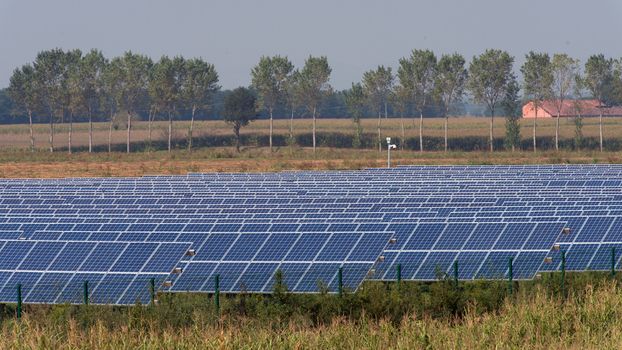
340	281
456	274
152	293
563	279
613	261
217	293
19	301
85	292
511	275
399	274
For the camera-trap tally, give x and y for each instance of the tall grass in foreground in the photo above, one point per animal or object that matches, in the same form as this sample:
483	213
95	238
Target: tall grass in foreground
588	318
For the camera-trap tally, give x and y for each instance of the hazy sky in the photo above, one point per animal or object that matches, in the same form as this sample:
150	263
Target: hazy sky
355	35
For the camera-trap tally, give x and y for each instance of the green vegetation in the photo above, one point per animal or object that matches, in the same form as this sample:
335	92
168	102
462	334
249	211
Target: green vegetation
380	315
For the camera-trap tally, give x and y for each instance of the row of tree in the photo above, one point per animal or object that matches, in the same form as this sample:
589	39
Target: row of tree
423	80
65	84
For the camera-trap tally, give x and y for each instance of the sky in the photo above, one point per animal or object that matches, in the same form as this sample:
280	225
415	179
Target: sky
355	35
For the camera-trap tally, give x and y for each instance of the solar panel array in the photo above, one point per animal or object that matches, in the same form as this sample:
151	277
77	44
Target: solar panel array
119	233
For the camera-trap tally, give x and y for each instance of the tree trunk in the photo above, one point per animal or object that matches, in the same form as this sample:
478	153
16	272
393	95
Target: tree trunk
70	129
386	115
51	133
314	130
170	130
492	125
236	130
534	130
379	133
271	128
600	128
110	131
32	135
291	125
194	109
151	112
129	128
90	130
446	122
421	130
557	132
403	141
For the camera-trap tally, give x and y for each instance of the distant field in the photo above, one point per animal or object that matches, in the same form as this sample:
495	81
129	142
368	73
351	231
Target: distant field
16	136
17	161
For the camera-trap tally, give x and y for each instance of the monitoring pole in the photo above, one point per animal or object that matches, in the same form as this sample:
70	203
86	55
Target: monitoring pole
389	148
456	274
398	269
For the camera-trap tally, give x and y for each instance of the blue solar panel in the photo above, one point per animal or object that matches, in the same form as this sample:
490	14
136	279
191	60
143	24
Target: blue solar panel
485	214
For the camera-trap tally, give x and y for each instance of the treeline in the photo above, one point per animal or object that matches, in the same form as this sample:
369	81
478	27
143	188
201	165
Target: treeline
67	86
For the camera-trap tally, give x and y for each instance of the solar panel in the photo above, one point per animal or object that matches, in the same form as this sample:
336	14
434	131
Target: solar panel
247	262
55	271
477	216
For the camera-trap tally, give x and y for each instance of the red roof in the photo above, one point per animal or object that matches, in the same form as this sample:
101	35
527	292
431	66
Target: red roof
584	107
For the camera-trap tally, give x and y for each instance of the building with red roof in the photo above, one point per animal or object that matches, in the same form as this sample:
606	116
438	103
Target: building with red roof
570	108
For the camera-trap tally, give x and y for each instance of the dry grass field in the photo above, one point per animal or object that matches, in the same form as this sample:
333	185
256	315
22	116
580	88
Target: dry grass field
17	137
17	161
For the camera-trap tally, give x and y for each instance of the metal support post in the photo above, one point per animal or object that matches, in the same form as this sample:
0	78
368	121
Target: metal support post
19	301
217	293
85	293
510	275
340	281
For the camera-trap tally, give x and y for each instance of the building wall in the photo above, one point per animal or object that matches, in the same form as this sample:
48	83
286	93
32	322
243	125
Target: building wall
530	112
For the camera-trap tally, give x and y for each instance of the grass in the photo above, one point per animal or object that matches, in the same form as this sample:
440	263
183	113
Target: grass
20	163
16	136
535	317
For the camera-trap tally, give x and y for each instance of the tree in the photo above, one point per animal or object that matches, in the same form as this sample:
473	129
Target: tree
489	75
200	84
401	100
537	83
598	78
512	106
111	85
451	78
90	83
165	88
418	74
133	82
293	98
269	78
239	111
314	86
378	85
617	82
24	91
355	101
579	88
51	77
564	69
